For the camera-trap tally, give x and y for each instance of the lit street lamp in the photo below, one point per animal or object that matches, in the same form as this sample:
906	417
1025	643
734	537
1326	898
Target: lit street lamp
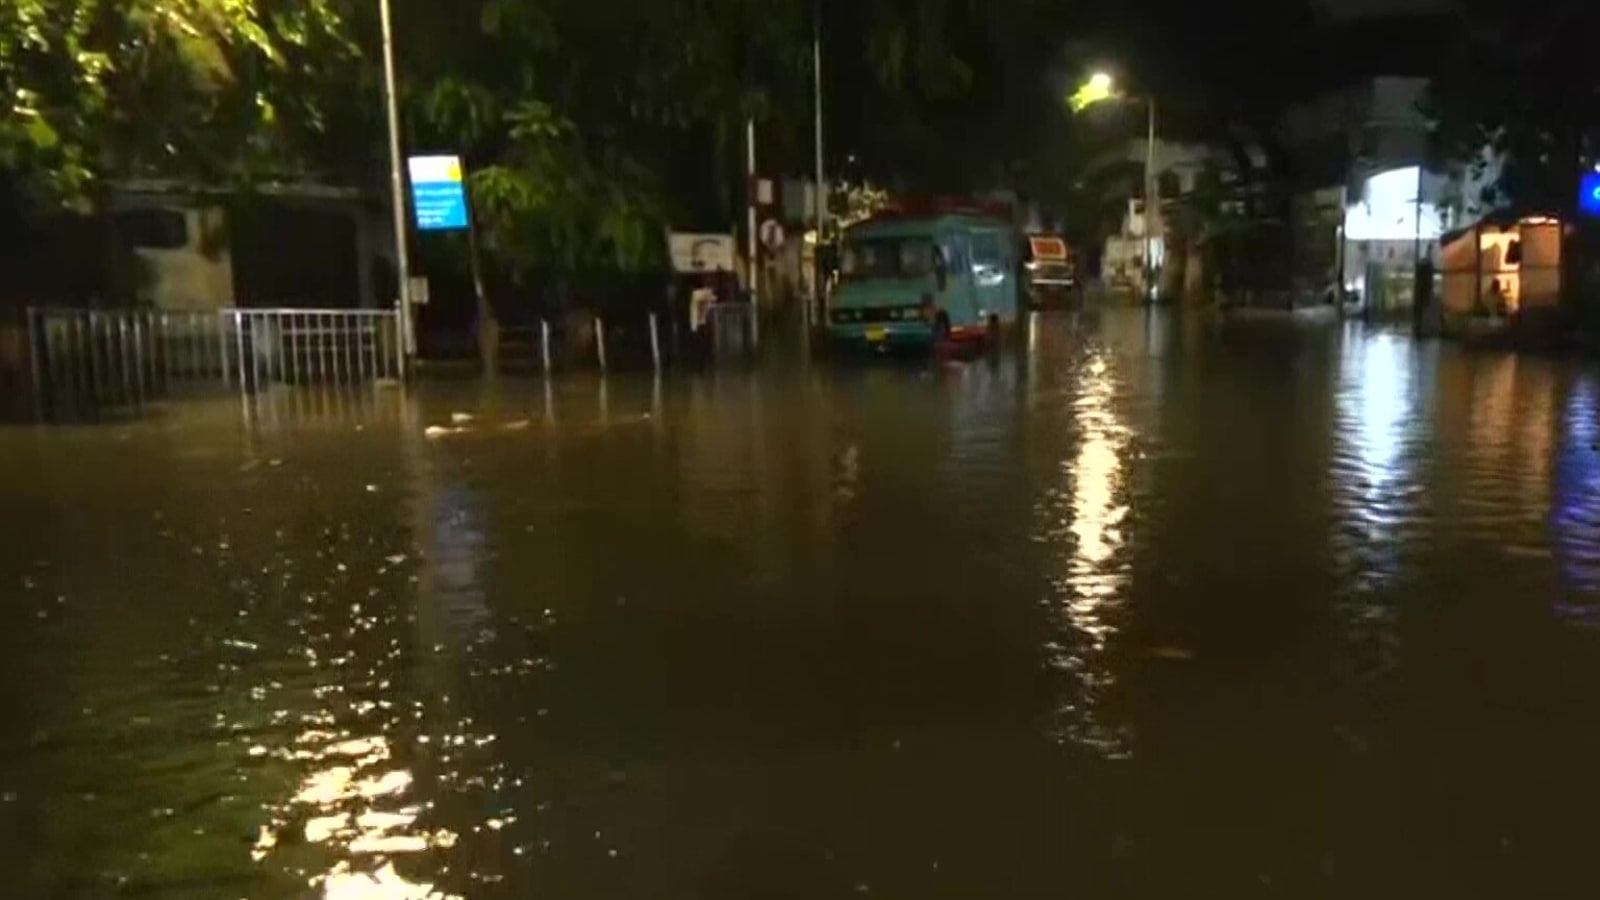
1102	87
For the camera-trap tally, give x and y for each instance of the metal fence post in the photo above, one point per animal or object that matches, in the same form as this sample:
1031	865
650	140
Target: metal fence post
222	346
655	342
600	340
259	340
324	349
138	355
96	363
373	330
33	360
238	336
544	345
117	339
82	361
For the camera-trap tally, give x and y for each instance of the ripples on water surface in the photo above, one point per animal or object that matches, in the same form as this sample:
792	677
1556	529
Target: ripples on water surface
1135	611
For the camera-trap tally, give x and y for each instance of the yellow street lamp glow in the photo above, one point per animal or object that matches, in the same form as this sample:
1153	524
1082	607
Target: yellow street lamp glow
1098	88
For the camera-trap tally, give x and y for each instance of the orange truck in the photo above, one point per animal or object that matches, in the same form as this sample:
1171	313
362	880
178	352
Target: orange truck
1052	272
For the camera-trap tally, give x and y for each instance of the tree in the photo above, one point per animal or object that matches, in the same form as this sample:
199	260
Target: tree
1513	88
576	116
215	89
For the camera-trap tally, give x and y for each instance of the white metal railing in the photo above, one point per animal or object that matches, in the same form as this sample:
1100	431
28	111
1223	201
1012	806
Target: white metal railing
129	355
301	346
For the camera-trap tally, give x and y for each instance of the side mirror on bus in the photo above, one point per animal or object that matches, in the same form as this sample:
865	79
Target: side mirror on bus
941	269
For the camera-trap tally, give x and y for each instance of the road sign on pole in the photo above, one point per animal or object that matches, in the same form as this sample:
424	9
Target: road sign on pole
772	236
439	193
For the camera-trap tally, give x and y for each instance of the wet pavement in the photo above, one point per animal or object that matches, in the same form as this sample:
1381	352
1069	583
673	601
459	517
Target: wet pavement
1136	609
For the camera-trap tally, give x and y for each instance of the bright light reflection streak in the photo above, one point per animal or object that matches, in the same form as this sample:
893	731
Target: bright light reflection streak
1094	577
1576	504
343	797
1384	383
1097	518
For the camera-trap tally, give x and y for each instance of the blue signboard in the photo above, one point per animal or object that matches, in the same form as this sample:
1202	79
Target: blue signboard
1589	195
438	193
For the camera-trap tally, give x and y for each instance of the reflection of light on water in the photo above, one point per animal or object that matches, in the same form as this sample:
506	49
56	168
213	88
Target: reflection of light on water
1576	506
1097	518
1375	497
384	884
459	548
1089	520
1382	388
1095	526
355	802
1376	403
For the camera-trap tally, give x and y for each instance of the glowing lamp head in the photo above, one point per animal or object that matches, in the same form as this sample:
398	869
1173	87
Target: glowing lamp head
1099	87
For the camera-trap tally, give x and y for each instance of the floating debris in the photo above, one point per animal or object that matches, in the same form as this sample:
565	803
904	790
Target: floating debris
1170	654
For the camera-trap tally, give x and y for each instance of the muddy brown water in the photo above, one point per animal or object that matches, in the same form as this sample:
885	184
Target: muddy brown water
1135	609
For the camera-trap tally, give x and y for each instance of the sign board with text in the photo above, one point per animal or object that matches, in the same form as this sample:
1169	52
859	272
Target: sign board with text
693	253
438	193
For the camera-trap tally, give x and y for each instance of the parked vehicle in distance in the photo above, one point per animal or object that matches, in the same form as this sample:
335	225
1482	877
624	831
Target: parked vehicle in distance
1052	272
917	280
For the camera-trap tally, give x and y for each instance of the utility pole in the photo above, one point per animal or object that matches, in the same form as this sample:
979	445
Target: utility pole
1152	203
397	187
752	191
821	207
1419	291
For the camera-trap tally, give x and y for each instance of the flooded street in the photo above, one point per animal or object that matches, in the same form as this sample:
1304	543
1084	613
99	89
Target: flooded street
1134	610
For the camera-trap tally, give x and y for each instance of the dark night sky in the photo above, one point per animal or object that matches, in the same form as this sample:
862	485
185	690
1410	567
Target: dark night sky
1369	8
1273	50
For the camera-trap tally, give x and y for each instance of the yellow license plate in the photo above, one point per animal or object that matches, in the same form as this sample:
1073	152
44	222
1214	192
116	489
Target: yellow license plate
877	335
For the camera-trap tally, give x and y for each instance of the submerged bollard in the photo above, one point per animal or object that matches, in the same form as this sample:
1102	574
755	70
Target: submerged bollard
655	343
600	340
544	344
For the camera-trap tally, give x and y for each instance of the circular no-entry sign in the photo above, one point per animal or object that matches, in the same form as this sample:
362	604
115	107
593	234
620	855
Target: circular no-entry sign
772	236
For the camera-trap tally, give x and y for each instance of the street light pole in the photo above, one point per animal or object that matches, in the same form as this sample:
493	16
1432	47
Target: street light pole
397	189
820	210
752	200
1152	202
1101	87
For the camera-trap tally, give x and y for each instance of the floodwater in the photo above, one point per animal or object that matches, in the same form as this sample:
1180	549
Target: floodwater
1135	610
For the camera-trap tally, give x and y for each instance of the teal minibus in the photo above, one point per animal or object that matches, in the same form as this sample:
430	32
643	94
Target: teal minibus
918	281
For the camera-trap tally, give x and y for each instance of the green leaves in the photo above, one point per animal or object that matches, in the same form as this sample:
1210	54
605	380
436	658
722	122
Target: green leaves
214	89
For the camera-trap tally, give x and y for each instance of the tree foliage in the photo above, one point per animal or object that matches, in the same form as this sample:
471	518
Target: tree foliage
1515	85
592	125
589	125
208	88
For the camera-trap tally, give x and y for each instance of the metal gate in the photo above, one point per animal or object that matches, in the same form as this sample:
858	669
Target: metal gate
131	356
